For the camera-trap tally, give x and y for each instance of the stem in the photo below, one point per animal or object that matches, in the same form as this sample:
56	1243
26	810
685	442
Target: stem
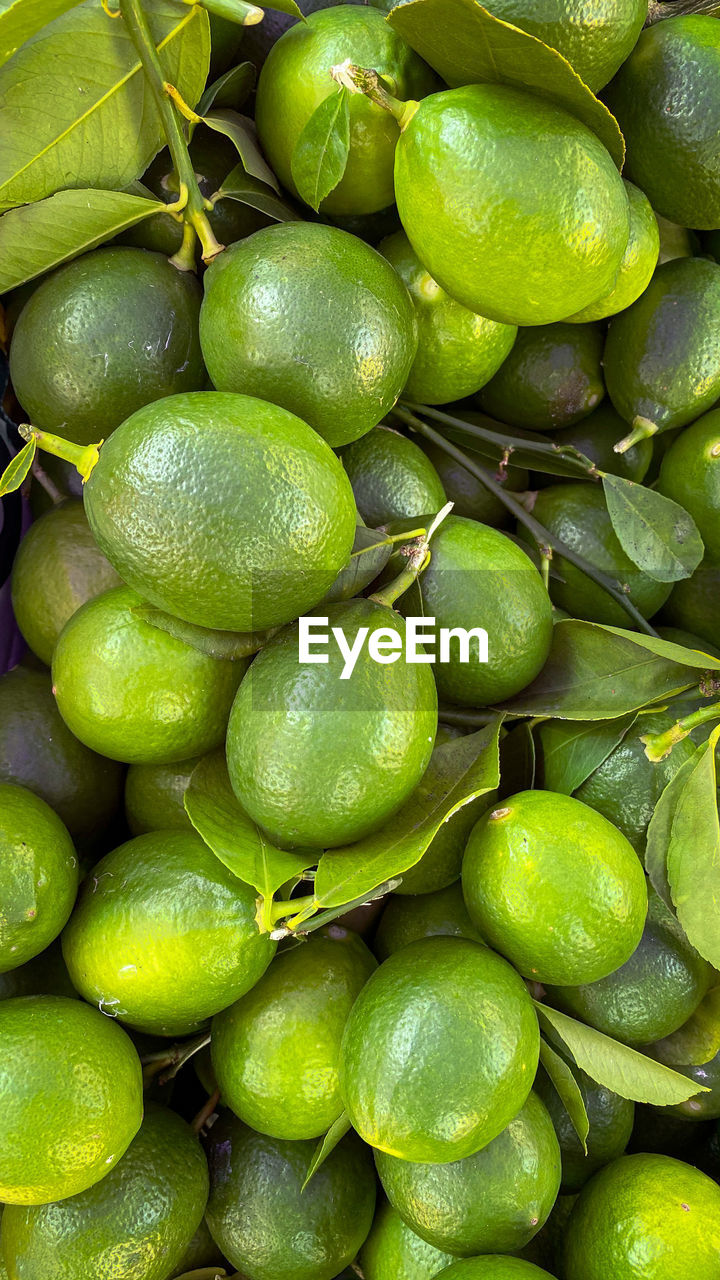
82	457
281	909
298	926
418	559
366	81
184	259
43	479
659	745
205	1112
175	1057
642	429
237	11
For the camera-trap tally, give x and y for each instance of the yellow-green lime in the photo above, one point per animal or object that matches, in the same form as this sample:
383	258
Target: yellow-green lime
38	875
637	265
493	1267
551	378
610	1118
391	478
423	915
690	475
393	1251
154	795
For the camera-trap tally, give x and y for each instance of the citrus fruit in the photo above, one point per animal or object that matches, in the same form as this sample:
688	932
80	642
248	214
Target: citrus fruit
690	475
474	1043
296	79
318	760
555	887
702	1106
101	337
551	378
391	478
266	1224
458	351
637	265
38	875
512	205
163	935
154	795
57	568
44	975
423	915
611	1121
595	436
493	1267
393	1252
675	241
645	1215
275	1051
310	318
467	494
595	36
71	1090
38	751
693	603
134	692
200	1253
223	510
497	1199
667	104
135	1223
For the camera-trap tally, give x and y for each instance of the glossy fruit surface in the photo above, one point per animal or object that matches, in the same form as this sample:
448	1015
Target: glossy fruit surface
38	875
690	475
154	795
423	915
391	478
610	1119
393	1251
551	378
638	261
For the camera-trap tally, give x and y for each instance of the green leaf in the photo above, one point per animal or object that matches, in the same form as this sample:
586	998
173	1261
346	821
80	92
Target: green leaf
230	90
458	772
240	186
615	1065
282	6
371	552
658	535
559	463
17	470
228	645
76	107
38	237
659	832
328	1143
697	1040
693	856
465	44
568	1090
321	152
518	760
20	19
573	749
241	131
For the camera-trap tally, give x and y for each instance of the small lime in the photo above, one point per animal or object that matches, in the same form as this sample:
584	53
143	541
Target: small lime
391	478
637	265
551	378
154	795
393	1252
38	875
423	915
690	475
693	605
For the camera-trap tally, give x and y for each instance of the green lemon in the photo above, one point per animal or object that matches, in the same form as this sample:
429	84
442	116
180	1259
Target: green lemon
551	378
38	875
693	603
423	915
497	1199
38	751
555	887
275	1052
103	336
637	265
57	568
154	795
224	510
262	1219
468	495
296	79
595	36
71	1095
301	299
595	437
690	475
611	1122
44	975
493	1267
393	1252
135	1223
321	760
134	692
163	935
645	1216
577	514
512	205
467	1021
391	477
458	351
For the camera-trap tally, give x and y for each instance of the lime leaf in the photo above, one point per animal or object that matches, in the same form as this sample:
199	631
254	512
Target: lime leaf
20	19
17	470
230	90
658	535
693	856
229	645
568	1090
458	772
38	237
659	832
328	1143
615	1065
240	186
697	1040
321	152
282	6
573	749
241	131
371	552
465	44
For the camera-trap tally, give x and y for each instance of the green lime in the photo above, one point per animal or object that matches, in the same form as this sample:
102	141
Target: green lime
667	104
276	1051
676	241
134	692
57	568
296	79
611	1122
101	337
645	1216
393	1252
458	351
702	1106
38	875
424	915
466	1020
595	36
262	1219
497	1199
552	378
319	758
468	495
44	975
201	1252
690	475
223	510
300	299
71	1097
138	1218
514	206
693	603
163	935
154	796
555	887
595	436
38	751
392	478
638	263
493	1267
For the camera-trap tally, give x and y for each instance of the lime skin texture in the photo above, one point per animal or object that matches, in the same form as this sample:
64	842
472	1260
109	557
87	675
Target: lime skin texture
466	1019
163	935
313	319
690	475
595	37
645	1217
38	875
637	265
555	887
135	1223
71	1093
493	1267
132	306
611	1121
154	796
275	1052
513	206
393	1251
319	761
296	78
135	693
263	1221
423	915
391	478
551	378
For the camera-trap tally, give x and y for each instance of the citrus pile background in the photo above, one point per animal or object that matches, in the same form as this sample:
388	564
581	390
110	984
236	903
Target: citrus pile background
359	967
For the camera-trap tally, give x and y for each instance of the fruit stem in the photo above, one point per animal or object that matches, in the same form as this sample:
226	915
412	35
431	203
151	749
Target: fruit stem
298	924
370	83
642	429
418	558
82	457
175	1057
279	910
184	259
205	1112
238	11
659	745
